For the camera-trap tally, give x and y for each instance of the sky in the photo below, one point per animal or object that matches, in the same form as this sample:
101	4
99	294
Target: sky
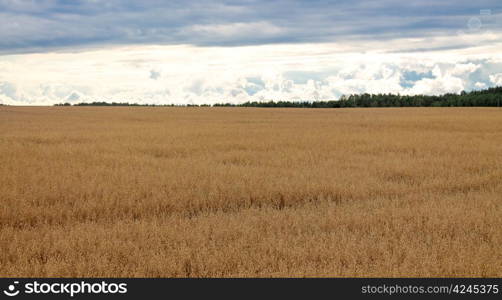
206	52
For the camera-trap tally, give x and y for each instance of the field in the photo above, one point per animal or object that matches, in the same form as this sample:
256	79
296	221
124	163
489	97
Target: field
239	192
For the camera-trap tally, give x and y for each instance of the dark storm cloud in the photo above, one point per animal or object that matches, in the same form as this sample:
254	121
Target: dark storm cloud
53	24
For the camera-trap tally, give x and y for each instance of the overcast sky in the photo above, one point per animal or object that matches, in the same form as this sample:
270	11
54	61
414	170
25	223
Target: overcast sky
233	51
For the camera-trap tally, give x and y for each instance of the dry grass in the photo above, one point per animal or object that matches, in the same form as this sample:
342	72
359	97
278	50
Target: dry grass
250	192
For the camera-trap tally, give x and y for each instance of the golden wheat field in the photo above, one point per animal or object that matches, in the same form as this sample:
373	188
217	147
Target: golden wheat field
240	192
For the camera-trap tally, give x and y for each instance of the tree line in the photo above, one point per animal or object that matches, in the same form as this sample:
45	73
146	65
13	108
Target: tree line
103	103
489	97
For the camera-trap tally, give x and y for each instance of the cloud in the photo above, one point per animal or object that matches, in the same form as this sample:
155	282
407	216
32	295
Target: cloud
480	85
496	79
74	96
8	90
46	25
154	74
190	74
235	29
